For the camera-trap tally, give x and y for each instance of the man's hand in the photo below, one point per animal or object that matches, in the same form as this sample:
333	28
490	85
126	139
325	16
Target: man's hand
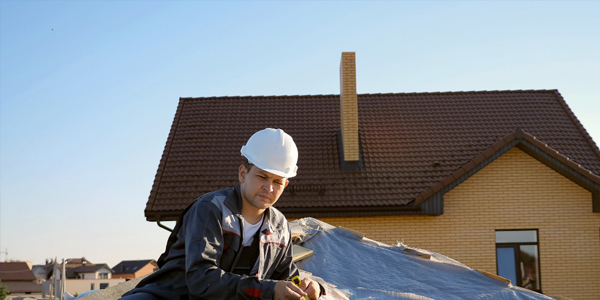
311	288
288	290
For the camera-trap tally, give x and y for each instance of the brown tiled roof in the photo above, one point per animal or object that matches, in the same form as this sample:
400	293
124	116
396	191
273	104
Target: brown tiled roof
91	268
78	261
410	142
15	271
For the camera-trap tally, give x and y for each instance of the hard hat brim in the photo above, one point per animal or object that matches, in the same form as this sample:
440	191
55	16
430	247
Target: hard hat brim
273	171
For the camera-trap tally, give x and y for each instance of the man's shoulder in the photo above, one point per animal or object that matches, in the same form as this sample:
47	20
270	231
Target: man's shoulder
276	213
278	218
209	197
221	200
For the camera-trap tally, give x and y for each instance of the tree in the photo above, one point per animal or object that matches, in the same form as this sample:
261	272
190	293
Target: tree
3	291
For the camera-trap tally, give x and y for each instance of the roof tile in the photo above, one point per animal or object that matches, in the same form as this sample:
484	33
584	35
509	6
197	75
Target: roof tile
15	271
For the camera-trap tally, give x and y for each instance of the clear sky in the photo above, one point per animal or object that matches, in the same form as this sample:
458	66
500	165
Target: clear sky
88	89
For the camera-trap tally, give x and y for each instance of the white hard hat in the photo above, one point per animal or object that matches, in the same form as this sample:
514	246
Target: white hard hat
272	150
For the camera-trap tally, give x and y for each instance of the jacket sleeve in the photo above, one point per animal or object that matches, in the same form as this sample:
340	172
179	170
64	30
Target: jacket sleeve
287	269
203	247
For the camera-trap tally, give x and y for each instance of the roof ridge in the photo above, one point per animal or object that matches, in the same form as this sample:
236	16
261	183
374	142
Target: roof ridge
391	93
463	92
262	96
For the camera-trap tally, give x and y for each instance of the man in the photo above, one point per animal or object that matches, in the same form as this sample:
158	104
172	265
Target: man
232	244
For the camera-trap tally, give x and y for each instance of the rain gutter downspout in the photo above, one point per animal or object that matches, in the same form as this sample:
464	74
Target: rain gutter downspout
162	226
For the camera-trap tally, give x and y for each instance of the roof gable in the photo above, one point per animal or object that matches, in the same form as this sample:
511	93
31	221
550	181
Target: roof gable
132	266
409	142
432	198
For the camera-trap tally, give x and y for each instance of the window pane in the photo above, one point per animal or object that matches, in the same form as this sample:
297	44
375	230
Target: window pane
506	264
529	267
513	236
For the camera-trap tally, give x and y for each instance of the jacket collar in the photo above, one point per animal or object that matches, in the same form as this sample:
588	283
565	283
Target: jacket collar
233	200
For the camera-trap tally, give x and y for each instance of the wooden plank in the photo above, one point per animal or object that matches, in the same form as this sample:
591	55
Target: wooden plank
494	276
417	253
300	253
297	236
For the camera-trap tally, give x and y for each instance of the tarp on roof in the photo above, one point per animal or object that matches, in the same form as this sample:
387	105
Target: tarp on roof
357	268
366	269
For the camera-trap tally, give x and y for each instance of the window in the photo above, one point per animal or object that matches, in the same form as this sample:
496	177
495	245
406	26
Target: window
92	287
103	276
103	286
517	257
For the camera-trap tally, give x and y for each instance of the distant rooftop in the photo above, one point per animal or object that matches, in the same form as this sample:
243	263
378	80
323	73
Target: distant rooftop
131	266
15	271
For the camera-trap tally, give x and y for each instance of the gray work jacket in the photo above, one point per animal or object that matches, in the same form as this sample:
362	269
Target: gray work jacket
205	246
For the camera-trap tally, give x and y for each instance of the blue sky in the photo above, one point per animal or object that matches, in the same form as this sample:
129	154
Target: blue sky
88	89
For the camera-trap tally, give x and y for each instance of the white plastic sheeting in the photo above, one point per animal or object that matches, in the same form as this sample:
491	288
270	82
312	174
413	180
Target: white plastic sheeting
362	268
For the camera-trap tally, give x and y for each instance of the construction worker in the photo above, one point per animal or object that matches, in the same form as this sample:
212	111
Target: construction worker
232	244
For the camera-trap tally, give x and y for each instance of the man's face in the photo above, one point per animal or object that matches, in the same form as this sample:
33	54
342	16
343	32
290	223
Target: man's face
260	188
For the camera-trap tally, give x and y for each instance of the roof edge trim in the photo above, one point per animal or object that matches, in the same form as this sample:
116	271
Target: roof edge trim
162	216
355	211
164	157
373	94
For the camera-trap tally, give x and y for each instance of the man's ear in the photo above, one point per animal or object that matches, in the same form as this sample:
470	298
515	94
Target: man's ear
242	173
286	183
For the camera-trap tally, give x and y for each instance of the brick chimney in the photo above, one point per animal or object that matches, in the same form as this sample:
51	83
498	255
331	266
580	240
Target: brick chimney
350	148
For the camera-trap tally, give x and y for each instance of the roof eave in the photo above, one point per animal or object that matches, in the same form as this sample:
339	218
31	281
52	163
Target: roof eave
163	160
354	211
162	216
300	212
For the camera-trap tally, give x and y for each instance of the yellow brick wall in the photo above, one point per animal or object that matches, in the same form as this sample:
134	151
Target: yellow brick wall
349	106
515	191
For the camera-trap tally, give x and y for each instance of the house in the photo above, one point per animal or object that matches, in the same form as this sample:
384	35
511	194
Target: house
81	268
81	275
130	269
503	181
18	278
98	271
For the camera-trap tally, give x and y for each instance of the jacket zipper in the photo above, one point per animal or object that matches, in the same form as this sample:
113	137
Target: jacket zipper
240	246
